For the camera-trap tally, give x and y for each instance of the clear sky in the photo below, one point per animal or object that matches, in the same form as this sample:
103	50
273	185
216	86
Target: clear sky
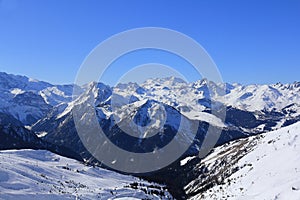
251	41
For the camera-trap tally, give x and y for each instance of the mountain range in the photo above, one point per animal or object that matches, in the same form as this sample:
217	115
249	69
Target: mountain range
39	115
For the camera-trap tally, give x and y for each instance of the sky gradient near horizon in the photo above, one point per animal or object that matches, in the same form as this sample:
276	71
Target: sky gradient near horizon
250	41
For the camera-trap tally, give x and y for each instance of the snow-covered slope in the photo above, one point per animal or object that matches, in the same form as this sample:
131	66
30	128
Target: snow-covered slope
261	167
38	174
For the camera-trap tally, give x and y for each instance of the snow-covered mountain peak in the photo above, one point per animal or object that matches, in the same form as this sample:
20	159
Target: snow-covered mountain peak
164	82
188	98
261	97
126	86
29	100
9	81
201	82
55	95
293	86
94	90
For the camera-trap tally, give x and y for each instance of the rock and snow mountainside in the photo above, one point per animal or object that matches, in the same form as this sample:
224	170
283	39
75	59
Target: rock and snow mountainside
263	97
13	134
249	98
155	107
27	99
160	104
40	174
266	166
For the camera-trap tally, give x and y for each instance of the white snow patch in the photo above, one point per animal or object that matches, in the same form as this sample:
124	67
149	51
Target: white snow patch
186	160
17	91
66	111
33	80
42	134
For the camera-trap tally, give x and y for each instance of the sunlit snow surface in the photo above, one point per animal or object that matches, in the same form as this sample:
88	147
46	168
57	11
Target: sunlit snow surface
270	171
39	174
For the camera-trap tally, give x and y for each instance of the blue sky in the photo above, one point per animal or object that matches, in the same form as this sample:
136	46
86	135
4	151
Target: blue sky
250	41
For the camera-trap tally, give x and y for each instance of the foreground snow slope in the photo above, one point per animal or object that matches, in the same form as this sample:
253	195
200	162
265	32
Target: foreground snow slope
271	169
38	174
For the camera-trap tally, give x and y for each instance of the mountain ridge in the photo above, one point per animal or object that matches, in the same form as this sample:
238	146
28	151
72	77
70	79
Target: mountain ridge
154	109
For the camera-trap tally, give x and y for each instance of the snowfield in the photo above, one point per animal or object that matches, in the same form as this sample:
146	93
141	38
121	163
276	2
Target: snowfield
39	174
270	170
